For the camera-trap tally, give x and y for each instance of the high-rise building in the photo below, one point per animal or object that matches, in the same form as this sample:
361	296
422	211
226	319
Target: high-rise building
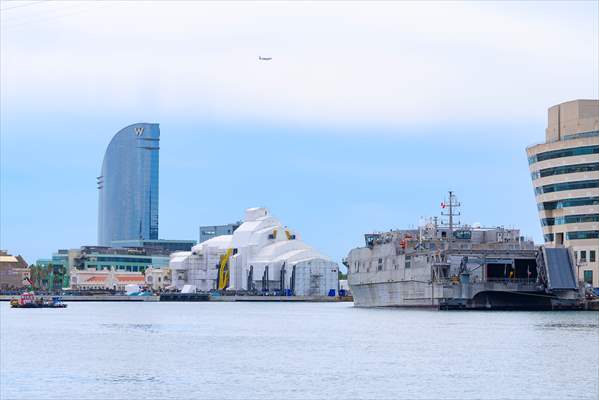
128	185
565	176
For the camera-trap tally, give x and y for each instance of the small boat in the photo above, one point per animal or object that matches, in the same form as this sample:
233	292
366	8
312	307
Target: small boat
28	300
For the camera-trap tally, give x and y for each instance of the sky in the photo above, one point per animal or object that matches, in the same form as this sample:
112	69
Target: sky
367	114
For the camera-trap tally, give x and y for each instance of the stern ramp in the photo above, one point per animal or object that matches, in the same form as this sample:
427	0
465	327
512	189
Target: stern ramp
560	269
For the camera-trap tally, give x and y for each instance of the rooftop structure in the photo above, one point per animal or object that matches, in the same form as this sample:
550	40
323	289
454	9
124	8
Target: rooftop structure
128	185
565	177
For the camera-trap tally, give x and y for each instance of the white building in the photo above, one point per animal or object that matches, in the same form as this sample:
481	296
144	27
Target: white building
262	255
157	278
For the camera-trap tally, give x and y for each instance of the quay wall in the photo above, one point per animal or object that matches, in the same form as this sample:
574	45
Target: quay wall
66	299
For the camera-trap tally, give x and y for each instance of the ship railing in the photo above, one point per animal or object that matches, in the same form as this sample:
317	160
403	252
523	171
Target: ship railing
528	281
504	281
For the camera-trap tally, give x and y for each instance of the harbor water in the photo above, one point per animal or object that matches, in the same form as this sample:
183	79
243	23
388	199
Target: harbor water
214	350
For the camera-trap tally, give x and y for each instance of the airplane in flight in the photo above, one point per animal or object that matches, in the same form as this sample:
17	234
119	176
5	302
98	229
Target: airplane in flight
264	58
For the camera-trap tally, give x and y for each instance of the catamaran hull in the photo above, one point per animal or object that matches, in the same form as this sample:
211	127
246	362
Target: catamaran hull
455	297
397	294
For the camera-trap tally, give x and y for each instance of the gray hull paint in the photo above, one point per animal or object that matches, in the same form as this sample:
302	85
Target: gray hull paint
397	294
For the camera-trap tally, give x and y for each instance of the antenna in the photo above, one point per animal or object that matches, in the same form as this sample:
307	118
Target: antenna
452	205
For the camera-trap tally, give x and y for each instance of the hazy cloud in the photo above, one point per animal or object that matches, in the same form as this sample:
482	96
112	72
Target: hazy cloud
390	63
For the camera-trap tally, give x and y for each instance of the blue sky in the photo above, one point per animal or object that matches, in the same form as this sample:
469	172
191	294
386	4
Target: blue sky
365	117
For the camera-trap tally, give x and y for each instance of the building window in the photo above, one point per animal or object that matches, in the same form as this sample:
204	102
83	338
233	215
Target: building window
588	277
578	202
583	255
408	262
576	219
582	235
558	187
380	266
565	169
592	256
576	151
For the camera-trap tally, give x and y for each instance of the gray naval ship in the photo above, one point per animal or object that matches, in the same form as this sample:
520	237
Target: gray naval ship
452	266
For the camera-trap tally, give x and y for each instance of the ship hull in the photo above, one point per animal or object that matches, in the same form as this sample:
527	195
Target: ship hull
425	295
396	294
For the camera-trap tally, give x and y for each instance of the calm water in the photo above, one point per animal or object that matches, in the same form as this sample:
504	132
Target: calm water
294	351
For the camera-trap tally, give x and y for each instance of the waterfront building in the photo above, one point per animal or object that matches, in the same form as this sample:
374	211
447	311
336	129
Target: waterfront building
67	264
161	246
158	279
565	176
128	185
121	259
211	231
261	255
13	271
106	279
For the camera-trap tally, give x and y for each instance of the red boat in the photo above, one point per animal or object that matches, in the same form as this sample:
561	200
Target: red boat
28	300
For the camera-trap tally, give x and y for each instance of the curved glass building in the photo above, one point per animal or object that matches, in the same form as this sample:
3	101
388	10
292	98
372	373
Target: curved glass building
128	185
565	176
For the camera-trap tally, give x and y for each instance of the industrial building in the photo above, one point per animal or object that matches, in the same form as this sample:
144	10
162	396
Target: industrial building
262	255
565	176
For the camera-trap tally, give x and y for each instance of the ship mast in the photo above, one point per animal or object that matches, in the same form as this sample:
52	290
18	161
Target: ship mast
452	204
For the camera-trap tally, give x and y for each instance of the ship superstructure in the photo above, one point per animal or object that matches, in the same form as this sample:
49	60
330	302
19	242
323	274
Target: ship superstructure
444	265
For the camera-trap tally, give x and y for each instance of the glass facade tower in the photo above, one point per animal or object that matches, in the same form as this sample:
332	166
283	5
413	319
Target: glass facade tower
128	185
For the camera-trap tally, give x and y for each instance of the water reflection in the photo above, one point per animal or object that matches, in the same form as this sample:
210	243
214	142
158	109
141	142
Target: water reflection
129	378
150	328
568	326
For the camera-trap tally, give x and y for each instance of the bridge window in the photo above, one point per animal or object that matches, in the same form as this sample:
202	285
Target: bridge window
466	235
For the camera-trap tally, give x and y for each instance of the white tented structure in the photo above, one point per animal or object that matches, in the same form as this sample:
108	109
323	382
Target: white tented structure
262	255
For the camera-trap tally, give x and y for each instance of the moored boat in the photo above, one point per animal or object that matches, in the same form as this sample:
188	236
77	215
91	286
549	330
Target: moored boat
28	300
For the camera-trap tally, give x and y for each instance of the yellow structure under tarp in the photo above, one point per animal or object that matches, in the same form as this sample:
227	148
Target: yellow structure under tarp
223	270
